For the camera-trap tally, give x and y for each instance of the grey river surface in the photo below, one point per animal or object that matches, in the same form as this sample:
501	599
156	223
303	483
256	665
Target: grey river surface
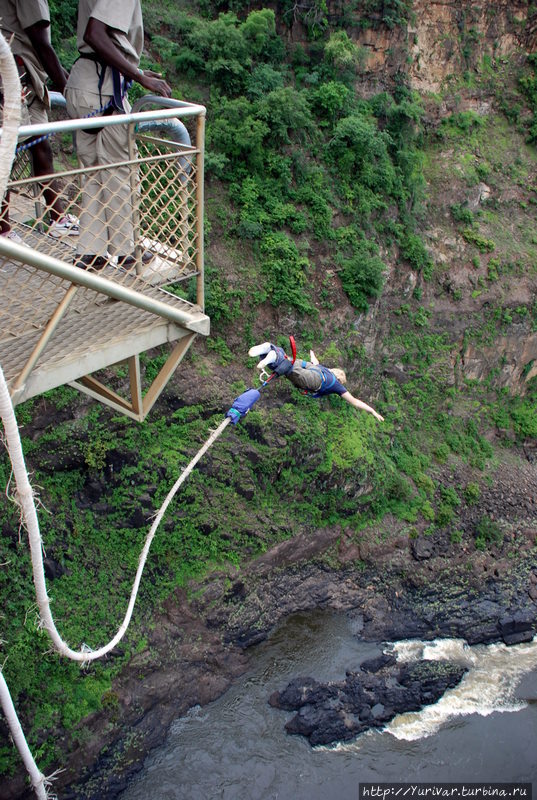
236	748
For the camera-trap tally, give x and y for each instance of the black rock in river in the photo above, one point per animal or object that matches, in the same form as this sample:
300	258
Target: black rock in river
369	698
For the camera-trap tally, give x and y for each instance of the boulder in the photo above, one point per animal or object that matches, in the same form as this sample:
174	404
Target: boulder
370	698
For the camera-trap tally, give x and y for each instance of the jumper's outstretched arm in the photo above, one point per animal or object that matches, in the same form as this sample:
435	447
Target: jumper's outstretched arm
361	405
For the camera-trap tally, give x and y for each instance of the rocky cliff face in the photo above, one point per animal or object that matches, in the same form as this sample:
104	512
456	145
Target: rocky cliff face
448	37
442	38
464	59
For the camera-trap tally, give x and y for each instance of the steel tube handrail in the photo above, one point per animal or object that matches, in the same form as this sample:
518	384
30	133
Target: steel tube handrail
66	126
70	173
69	272
173	126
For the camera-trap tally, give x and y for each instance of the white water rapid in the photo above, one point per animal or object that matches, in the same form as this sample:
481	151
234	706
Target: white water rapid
494	672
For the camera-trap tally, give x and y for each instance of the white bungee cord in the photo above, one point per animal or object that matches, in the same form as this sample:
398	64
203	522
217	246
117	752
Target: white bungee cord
8	142
25	498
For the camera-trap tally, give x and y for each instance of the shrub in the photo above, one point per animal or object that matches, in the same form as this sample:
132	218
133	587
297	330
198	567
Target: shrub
462	122
425	482
218	345
222	303
362	275
259	31
427	511
461	213
414	251
524	416
220	50
487	532
442	453
63	16
285	271
474	237
330	99
237	134
450	496
444	514
262	80
286	113
472	493
342	52
358	151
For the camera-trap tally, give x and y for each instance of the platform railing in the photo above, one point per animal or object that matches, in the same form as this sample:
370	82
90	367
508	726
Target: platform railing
161	213
152	203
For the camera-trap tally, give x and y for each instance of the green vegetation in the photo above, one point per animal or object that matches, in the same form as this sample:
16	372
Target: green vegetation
487	533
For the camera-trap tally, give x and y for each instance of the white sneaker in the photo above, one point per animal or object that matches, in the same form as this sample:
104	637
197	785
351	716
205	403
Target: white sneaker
13	236
269	359
259	349
68	225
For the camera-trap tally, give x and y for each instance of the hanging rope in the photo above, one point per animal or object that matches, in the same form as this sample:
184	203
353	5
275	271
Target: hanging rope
17	734
25	497
8	141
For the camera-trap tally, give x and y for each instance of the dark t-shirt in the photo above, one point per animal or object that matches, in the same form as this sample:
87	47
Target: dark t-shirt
315	379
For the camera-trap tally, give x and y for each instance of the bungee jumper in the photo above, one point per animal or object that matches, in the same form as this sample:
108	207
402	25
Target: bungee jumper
312	378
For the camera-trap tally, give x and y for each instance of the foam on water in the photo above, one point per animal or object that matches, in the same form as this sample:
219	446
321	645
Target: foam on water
489	685
494	671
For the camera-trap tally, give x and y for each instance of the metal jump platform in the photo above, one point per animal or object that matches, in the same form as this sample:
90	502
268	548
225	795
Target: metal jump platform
60	324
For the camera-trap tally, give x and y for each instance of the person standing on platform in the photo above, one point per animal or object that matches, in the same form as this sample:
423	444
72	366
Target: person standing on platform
110	38
25	24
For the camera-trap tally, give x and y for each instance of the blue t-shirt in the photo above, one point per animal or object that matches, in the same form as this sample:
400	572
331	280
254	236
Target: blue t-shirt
315	379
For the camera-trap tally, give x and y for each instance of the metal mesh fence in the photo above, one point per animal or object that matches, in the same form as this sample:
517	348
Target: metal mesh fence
146	209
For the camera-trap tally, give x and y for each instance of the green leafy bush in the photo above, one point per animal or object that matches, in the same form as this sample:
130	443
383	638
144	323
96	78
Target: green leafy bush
450	496
415	252
262	80
259	31
474	237
237	134
427	511
341	51
461	213
444	514
286	113
524	416
362	275
472	493
487	533
461	122
330	99
358	151
285	272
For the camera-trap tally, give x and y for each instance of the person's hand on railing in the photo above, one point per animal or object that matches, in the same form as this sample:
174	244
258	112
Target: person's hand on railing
154	82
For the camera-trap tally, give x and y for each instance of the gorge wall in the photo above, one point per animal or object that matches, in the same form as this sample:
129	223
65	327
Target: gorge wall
462	59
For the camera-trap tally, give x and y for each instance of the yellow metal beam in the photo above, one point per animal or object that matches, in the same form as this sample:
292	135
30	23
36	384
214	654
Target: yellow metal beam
173	361
46	336
137	408
135	385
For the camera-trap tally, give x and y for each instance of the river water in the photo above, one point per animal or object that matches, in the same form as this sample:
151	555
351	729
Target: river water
236	748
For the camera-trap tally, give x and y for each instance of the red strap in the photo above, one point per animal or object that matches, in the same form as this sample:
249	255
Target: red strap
293	347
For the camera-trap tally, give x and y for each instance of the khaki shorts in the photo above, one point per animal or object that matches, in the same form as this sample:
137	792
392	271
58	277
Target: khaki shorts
33	110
